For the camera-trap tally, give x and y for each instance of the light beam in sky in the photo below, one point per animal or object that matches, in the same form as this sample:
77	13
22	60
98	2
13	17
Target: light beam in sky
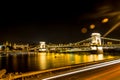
113	28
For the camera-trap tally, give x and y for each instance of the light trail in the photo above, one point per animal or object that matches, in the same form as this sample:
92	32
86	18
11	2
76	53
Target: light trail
85	69
114	27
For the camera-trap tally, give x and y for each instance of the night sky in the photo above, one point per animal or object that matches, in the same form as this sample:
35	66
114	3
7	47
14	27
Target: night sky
57	21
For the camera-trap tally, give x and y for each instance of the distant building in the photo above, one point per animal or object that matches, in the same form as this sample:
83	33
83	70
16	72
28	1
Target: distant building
21	46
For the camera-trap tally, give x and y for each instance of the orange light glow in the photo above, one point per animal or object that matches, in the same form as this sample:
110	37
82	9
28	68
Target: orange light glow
92	26
105	20
83	30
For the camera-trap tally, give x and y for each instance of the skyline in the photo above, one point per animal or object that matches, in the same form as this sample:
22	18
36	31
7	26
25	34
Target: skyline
60	25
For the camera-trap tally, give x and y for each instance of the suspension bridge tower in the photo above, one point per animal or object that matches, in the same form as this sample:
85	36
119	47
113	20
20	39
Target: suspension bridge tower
42	46
96	41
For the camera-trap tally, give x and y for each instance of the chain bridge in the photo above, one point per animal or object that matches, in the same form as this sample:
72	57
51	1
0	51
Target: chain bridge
93	43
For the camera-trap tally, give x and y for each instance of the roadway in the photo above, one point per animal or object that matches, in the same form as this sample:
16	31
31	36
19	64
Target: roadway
106	73
111	72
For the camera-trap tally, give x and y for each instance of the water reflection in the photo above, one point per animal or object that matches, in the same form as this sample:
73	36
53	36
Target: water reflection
15	64
23	62
42	60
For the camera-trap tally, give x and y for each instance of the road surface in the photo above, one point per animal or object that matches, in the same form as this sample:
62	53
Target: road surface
111	72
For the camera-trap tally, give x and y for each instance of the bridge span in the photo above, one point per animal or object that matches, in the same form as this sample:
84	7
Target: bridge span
93	43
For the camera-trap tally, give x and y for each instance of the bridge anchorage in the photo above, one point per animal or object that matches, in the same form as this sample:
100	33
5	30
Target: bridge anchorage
94	43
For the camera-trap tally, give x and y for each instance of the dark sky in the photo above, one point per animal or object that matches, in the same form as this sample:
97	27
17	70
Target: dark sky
57	21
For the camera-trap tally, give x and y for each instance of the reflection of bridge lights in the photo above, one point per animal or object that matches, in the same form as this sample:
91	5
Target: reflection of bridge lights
42	62
91	58
42	53
100	56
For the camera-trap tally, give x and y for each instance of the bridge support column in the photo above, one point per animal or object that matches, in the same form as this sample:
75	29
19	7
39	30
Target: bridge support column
96	42
96	39
42	46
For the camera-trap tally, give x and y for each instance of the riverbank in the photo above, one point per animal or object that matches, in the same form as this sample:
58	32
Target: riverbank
50	72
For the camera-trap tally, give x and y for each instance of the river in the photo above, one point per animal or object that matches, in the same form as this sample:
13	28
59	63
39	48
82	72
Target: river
33	61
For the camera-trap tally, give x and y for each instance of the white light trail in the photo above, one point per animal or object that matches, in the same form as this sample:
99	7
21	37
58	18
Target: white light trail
85	69
114	27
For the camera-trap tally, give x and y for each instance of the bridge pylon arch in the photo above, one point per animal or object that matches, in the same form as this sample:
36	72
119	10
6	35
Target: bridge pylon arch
96	39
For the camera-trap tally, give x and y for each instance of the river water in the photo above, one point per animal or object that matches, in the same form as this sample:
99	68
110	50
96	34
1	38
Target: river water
33	61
